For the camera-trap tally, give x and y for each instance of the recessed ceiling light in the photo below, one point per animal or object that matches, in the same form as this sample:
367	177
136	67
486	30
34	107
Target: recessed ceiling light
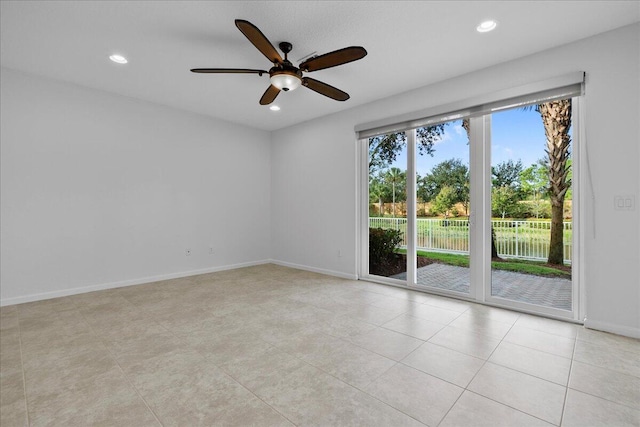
274	108
486	26
118	59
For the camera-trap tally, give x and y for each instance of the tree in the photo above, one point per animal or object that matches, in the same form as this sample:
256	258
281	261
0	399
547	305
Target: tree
533	184
396	178
444	201
556	118
534	179
377	191
503	200
507	174
568	195
505	189
384	149
452	173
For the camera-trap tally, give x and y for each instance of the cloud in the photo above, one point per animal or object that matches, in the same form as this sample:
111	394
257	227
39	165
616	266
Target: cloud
459	129
446	137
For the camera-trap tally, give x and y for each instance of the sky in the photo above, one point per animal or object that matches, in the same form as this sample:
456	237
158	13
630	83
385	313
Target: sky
516	135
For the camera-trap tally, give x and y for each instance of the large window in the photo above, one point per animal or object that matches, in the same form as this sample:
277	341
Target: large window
480	207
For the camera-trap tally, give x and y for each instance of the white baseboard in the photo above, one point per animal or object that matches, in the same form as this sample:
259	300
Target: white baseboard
131	282
316	270
627	331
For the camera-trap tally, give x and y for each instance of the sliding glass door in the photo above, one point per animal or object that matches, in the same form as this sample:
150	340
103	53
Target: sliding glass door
387	205
443	207
532	207
483	207
419	204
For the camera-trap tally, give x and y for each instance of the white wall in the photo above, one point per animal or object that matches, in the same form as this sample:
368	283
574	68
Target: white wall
100	190
313	169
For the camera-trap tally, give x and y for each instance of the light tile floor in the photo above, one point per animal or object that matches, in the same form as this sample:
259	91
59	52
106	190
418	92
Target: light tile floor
271	346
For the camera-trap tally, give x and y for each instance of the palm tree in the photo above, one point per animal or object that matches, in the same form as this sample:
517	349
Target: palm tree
556	118
394	176
376	193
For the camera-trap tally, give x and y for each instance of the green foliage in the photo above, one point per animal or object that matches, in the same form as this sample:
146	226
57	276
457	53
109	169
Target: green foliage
535	208
378	191
534	180
536	268
444	201
445	258
506	174
384	149
569	194
396	179
503	201
452	173
383	244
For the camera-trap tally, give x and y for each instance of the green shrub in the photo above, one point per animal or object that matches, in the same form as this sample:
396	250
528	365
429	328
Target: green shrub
382	247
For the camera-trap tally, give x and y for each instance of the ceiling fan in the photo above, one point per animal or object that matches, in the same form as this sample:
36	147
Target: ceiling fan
284	75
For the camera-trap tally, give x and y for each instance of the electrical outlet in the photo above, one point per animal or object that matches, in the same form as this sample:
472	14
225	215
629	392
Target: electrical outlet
624	202
211	251
187	252
339	253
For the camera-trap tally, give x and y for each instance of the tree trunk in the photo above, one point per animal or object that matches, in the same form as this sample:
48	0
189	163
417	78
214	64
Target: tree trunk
556	244
494	249
394	200
556	117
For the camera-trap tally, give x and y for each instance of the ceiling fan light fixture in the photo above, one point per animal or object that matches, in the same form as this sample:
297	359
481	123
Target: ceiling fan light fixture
487	26
285	80
118	59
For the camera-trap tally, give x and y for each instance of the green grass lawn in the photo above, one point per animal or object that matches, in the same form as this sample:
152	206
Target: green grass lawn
516	265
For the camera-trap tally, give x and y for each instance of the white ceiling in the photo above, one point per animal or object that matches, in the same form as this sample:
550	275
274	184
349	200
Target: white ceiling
410	44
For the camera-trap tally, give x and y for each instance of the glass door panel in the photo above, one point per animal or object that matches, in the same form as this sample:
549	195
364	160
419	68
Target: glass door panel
388	205
531	206
442	207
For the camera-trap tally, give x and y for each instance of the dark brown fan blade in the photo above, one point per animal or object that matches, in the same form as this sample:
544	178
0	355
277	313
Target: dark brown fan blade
269	95
325	89
332	59
228	70
259	40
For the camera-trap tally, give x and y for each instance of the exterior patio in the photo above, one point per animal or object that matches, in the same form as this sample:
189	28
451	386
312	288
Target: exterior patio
543	291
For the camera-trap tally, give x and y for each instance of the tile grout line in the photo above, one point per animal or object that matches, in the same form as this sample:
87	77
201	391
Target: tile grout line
224	371
251	391
24	379
537	349
119	367
466	388
566	390
400	363
509	406
626	405
336	378
366	392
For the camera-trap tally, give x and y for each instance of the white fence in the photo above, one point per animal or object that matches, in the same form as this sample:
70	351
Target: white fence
514	239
